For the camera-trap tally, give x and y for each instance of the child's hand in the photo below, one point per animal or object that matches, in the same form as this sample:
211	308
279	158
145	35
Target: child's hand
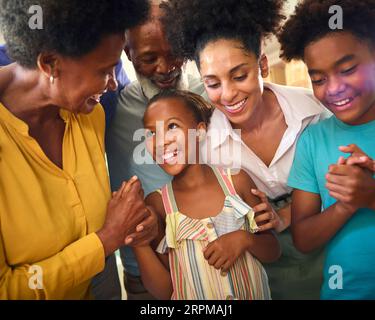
358	157
125	211
224	251
265	216
146	231
350	185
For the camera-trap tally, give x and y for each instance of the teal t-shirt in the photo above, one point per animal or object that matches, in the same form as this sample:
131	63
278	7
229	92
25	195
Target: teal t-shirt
349	269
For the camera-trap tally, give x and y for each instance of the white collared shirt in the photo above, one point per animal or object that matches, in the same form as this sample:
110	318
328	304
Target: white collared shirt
226	148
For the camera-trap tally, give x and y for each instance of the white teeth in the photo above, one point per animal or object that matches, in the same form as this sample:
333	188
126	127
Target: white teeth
168	155
342	102
236	106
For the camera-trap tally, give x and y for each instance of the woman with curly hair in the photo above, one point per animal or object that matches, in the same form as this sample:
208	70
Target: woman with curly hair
334	195
262	120
54	189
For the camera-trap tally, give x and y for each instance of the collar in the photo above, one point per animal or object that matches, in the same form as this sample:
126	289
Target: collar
22	126
297	105
11	119
223	125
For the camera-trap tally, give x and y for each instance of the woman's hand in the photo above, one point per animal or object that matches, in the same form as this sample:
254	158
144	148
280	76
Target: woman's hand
265	216
126	210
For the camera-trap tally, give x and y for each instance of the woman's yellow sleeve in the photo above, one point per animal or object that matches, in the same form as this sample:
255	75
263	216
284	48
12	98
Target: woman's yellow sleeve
57	277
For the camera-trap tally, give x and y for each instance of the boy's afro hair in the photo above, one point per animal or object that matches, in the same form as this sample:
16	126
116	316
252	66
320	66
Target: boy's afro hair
191	24
70	27
310	22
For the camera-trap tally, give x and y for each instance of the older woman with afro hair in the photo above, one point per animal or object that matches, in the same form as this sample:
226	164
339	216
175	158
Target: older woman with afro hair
58	221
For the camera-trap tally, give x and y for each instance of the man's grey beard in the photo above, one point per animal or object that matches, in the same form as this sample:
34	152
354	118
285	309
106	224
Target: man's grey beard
150	89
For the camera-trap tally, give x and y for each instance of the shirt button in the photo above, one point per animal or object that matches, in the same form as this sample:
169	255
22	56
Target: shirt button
223	273
210	225
229	297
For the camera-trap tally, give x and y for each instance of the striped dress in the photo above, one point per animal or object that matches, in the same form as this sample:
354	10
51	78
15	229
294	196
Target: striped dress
192	277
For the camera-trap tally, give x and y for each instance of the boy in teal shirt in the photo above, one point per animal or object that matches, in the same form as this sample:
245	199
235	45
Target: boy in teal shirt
333	201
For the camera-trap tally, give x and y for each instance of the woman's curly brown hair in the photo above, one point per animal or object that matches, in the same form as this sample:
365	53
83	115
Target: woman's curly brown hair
191	24
310	22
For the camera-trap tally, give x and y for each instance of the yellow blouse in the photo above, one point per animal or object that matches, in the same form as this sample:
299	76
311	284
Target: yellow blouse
49	216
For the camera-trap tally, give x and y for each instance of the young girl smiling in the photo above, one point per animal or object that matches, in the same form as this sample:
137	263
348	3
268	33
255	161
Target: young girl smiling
210	249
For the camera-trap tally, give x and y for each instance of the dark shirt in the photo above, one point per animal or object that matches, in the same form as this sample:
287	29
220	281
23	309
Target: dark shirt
4	59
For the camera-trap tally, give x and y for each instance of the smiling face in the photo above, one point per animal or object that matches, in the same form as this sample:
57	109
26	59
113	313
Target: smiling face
342	71
80	82
167	122
150	53
231	76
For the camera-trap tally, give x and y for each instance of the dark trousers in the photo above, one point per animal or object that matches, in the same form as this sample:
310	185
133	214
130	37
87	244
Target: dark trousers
106	285
135	289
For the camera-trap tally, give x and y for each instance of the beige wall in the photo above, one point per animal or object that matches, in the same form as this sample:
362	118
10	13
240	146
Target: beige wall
294	73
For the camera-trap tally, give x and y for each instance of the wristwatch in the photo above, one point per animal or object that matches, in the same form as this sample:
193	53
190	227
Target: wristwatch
280	201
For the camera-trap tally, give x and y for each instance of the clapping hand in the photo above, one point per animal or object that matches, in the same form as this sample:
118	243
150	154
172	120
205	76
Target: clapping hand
350	181
358	157
128	220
